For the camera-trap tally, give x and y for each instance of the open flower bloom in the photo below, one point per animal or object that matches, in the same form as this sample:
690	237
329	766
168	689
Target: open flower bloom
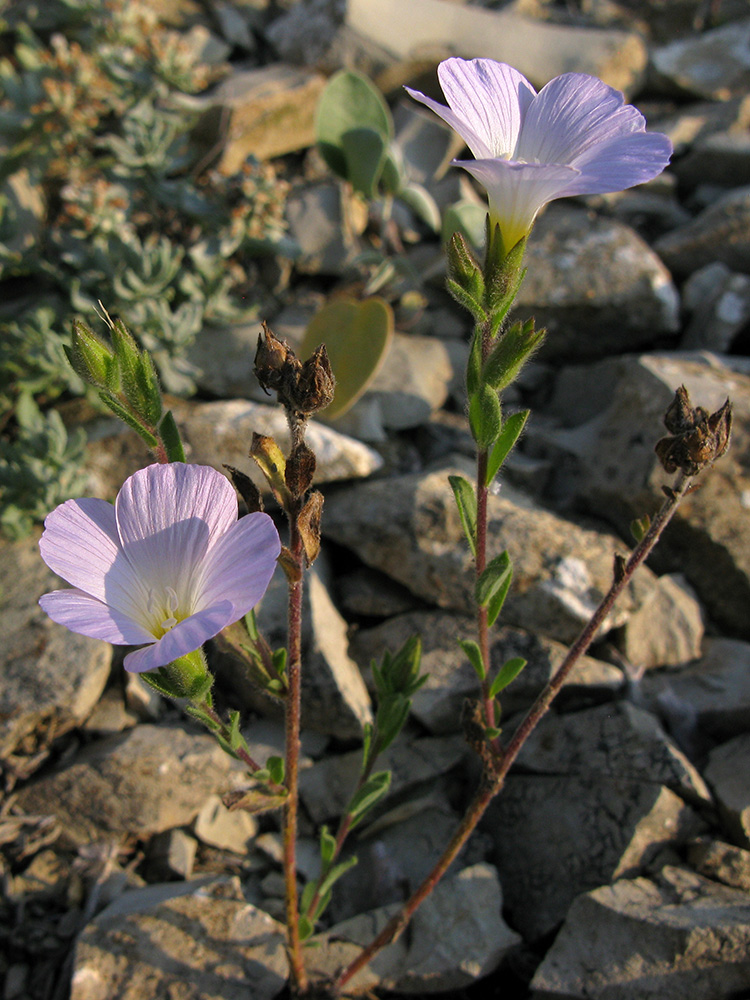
169	564
576	136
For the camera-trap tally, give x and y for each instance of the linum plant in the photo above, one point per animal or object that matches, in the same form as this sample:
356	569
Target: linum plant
170	566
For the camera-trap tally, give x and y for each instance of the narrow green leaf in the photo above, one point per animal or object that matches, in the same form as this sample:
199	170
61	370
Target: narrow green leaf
495	605
170	436
492	579
324	900
474	363
639	527
327	847
506	440
492	732
475	656
508	672
275	767
306	927
368	795
278	659
466	502
470	304
485	416
307	895
333	876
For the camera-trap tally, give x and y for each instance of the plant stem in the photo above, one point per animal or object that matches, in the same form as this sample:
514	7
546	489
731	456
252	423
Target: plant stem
481	550
494	777
292	741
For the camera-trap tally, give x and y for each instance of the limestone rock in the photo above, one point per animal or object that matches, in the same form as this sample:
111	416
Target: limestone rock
204	943
146	780
722	862
319	223
540	51
667	631
433	961
728	774
408	527
693	123
722	158
595	285
171	855
719	301
678	936
707	702
228	830
562	836
720	232
714	65
616	740
51	678
304	34
604	457
271	112
412	382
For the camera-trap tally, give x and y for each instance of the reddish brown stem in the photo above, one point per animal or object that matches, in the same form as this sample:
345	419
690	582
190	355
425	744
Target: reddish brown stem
494	779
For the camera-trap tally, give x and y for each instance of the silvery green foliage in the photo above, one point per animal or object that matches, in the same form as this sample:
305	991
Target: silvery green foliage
119	205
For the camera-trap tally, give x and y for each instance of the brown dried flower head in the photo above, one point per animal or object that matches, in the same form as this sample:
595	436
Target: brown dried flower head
697	438
302	388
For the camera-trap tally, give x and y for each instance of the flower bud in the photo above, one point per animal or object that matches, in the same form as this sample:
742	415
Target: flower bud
91	358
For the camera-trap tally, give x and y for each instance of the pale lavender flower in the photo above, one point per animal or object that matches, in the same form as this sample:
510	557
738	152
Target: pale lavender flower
576	136
169	564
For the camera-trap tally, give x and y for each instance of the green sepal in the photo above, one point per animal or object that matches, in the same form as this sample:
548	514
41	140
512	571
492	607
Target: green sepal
474	363
92	358
463	298
510	354
170	436
485	416
474	655
466	501
639	527
501	310
129	418
149	393
493	579
186	677
501	269
327	851
506	440
463	268
508	672
368	796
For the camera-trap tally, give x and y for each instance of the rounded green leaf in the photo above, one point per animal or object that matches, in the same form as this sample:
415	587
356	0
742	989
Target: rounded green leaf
357	336
350	101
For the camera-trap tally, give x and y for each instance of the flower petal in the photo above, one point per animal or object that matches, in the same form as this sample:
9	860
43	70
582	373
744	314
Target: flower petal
487	103
80	543
621	163
86	615
240	566
185	637
571	114
169	516
517	191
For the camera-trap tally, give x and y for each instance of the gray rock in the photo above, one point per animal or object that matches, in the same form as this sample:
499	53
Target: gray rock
408	527
326	787
366	593
52	678
171	855
678	936
728	774
540	51
692	124
320	224
604	458
219	827
719	861
110	715
666	631
221	432
455	938
616	740
438	703
720	232
413	381
707	702
720	304
203	944
334	697
562	836
722	158
595	285
305	33
714	65
146	780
